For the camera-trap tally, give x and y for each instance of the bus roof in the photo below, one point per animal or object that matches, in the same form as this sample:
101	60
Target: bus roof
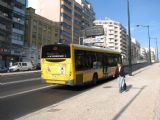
88	48
94	48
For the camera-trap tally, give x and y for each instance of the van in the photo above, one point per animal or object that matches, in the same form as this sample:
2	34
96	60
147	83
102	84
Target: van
21	66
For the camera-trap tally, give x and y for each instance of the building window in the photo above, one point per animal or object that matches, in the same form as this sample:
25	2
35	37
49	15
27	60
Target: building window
19	5
66	25
66	16
77	15
67	34
5	12
34	35
56	34
18	26
66	9
77	30
19	16
68	2
2	34
17	37
2	25
78	9
77	22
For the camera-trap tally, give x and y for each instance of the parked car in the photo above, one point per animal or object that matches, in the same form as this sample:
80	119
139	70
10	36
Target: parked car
3	69
21	66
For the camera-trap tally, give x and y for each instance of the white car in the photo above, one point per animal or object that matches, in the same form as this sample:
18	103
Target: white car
21	66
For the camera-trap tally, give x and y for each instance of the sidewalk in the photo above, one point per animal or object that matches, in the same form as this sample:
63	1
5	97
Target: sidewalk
104	102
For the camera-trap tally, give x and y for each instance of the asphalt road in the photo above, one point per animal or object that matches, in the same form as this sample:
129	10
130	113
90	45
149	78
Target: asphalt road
19	105
23	95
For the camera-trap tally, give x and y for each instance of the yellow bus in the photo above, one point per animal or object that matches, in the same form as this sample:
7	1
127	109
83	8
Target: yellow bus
77	64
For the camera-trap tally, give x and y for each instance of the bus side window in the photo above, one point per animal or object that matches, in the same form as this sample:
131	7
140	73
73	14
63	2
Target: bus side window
97	64
78	60
105	63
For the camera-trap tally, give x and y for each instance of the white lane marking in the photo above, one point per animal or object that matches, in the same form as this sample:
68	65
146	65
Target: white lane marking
24	92
22	72
20	81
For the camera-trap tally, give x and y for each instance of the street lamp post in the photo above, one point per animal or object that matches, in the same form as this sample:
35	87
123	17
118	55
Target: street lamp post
72	37
148	40
156	49
60	24
129	42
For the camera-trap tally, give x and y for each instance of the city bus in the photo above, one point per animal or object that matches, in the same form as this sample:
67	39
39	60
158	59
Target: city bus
77	64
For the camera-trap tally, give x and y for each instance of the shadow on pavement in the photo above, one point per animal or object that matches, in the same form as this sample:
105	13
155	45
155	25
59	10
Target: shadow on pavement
127	105
128	88
84	87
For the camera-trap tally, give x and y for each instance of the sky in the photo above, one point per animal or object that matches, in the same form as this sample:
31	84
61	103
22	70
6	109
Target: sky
143	12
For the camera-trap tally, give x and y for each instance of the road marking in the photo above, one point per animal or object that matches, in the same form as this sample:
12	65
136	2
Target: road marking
17	73
20	81
24	92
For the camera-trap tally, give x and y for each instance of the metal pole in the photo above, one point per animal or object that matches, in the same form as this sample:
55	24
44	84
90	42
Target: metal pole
129	42
157	50
60	32
149	46
73	24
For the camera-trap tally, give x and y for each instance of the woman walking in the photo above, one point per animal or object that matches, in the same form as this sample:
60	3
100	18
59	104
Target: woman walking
121	76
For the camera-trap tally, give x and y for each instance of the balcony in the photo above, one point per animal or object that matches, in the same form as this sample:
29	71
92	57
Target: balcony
2	38
21	1
5	16
18	31
6	5
19	10
2	26
17	42
18	20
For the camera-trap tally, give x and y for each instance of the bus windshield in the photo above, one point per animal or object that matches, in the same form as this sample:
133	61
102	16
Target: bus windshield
56	51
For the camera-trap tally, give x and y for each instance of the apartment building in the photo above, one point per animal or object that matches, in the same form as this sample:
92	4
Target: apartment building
135	51
153	55
67	12
88	14
116	35
39	31
145	54
12	26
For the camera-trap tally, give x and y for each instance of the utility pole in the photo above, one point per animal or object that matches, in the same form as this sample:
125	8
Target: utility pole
149	45
73	23
60	24
129	41
147	26
157	51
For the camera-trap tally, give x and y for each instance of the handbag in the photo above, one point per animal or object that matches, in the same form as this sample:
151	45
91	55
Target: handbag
124	85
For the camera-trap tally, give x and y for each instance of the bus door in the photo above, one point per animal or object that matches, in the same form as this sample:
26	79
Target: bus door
105	66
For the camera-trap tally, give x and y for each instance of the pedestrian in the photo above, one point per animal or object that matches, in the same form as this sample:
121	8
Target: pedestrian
121	76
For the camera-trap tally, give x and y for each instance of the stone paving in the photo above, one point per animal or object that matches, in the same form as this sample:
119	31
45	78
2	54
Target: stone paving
141	101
